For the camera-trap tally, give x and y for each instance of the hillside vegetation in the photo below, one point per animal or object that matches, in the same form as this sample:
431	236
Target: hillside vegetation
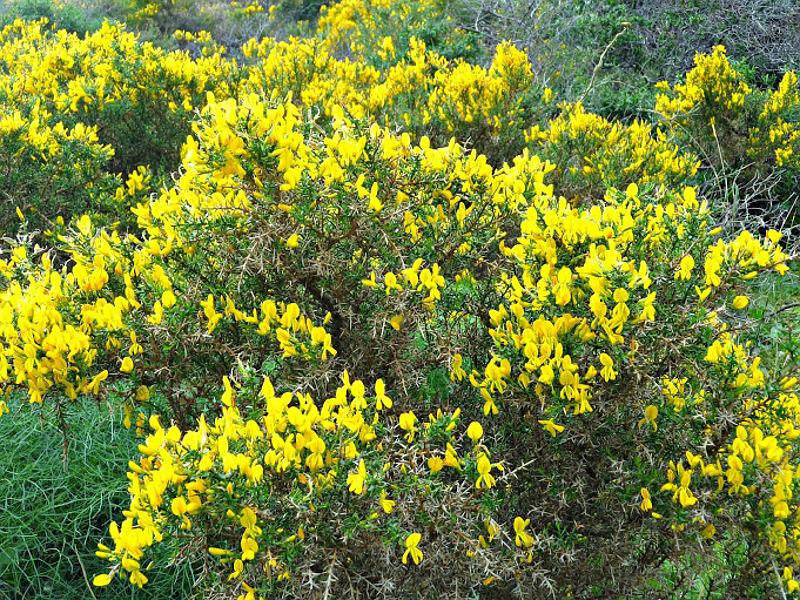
399	299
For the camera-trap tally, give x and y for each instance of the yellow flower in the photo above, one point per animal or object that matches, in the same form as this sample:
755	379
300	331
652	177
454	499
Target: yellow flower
435	464
607	372
127	365
647	503
85	225
407	421
158	314
475	432
390	279
356	480
650	415
523	538
371	281
546	374
456	368
484	475
685	271
740	302
102	579
168	299
210	312
374	203
386	504
411	548
381	399
552	428
702	294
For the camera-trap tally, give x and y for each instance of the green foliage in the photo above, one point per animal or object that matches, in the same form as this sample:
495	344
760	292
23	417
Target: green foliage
66	16
51	172
63	479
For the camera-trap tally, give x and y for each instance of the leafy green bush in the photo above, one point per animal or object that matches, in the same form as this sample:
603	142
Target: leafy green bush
52	171
68	17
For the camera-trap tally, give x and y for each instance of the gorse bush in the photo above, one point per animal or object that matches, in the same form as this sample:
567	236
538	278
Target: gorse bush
593	154
715	107
396	325
415	87
99	90
62	163
747	138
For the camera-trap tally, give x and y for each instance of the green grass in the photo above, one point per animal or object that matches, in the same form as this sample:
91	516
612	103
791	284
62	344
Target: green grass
53	513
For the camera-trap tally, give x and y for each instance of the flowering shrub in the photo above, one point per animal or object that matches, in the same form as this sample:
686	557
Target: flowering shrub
418	88
55	162
329	489
137	96
594	154
364	357
715	110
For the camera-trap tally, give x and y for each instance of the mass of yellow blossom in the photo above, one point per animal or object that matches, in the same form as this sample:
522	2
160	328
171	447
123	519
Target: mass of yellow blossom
348	329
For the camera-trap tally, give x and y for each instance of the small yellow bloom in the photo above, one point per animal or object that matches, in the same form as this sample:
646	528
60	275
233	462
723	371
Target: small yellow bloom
475	432
407	421
740	302
484	475
356	480
411	548
702	294
127	365
650	415
386	504
457	368
381	399
168	299
523	538
102	579
647	503
158	314
685	271
551	427
607	372
435	464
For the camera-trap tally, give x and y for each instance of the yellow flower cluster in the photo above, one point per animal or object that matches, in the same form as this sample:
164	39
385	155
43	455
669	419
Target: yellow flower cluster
777	129
79	75
46	140
468	93
712	84
324	221
457	96
714	105
593	153
298	449
46	343
427	281
356	26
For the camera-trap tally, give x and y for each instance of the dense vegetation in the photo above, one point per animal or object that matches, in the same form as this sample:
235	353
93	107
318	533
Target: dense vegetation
393	299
